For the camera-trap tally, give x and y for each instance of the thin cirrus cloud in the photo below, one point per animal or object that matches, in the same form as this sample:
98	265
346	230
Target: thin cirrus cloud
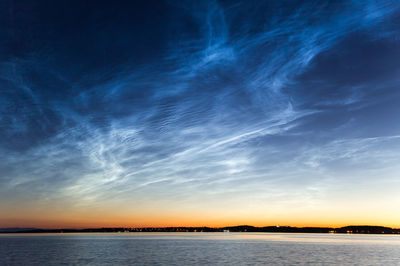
214	105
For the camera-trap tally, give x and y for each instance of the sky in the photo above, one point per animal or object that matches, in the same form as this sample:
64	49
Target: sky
199	113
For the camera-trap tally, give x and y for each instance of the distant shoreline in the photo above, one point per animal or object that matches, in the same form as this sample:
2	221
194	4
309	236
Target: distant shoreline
357	229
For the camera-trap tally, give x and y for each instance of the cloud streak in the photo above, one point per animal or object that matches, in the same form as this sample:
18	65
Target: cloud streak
229	107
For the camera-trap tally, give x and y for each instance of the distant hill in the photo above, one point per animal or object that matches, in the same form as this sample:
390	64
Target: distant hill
367	229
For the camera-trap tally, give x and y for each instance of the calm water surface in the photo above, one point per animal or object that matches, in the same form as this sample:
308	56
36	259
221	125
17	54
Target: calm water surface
198	249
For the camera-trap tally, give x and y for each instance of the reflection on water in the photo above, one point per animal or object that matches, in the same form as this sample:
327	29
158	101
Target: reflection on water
198	248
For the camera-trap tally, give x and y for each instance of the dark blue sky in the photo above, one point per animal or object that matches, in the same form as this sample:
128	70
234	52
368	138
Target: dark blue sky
239	107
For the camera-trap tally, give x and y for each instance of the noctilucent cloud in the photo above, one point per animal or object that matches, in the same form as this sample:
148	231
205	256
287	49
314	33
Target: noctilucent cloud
156	113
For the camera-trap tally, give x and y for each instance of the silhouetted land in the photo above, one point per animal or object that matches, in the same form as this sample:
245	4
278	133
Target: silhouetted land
357	229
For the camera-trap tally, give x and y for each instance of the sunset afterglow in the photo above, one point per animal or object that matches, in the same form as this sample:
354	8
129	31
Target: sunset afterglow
199	113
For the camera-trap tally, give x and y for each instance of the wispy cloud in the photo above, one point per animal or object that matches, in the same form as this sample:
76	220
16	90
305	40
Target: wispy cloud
221	112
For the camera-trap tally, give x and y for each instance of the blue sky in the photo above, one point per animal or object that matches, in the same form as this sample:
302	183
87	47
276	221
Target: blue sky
258	112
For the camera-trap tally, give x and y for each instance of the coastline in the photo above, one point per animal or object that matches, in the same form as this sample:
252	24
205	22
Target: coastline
364	229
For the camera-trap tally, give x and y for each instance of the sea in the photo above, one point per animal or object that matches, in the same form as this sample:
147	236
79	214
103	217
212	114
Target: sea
199	249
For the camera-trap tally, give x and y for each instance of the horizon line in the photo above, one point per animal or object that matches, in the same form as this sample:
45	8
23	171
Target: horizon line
202	226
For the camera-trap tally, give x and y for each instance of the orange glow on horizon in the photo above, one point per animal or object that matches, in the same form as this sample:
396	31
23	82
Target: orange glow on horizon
163	215
81	222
